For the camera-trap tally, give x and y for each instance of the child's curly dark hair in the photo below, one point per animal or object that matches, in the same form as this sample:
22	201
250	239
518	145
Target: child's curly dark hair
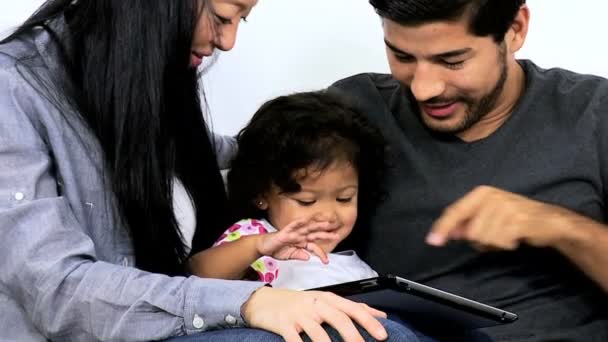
294	132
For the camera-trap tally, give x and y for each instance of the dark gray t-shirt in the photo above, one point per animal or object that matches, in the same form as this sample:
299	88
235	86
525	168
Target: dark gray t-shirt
553	148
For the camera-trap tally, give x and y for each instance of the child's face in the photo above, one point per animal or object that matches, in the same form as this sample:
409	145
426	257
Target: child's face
328	195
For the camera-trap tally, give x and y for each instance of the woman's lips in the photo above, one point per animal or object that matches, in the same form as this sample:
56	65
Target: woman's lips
196	59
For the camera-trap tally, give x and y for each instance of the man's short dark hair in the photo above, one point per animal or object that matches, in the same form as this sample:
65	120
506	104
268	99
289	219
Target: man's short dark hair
487	17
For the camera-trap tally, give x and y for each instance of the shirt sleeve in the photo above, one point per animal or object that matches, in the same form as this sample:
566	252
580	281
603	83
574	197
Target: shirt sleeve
266	268
240	229
601	134
49	264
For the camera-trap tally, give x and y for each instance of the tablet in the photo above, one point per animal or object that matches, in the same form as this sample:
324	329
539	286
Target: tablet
420	304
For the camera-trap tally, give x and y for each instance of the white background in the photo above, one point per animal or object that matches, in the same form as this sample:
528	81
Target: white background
293	45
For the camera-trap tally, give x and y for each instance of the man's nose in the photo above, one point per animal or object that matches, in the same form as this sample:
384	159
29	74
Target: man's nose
426	83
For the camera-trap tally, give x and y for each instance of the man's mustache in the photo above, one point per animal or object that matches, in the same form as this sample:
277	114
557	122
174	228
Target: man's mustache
444	100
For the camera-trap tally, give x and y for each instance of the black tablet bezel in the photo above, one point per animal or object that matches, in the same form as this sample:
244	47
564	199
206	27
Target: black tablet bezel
488	315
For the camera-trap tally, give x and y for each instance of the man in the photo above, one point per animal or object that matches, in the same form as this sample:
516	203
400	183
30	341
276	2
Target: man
501	167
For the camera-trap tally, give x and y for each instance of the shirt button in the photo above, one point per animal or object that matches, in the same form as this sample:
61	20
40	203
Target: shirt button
198	322
19	196
230	319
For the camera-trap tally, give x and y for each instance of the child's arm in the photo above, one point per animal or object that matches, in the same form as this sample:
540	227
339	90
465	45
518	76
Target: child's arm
226	261
230	260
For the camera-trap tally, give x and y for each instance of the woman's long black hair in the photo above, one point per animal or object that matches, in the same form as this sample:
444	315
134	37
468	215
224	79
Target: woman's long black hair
126	72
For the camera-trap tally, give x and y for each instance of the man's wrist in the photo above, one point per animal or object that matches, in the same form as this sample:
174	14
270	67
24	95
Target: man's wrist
573	232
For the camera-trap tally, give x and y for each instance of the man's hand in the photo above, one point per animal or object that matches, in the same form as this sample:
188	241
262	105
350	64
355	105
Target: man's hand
289	313
493	219
297	240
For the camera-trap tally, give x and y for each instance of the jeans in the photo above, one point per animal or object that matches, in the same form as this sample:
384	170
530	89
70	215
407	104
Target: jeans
438	334
396	333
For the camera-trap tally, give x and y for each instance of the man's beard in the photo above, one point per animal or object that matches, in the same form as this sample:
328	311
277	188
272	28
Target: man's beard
475	109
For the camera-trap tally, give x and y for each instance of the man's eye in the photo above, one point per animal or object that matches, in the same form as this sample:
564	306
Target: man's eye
453	65
404	58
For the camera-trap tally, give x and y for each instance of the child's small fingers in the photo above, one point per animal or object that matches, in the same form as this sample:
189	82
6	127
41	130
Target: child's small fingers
327	236
318	251
299	254
295	225
315	227
294	238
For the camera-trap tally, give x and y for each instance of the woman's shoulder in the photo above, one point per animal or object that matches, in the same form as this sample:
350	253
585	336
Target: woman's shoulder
31	94
24	51
18	98
23	66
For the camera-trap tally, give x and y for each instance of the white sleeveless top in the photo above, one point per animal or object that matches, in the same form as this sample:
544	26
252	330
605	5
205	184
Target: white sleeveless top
297	274
343	267
184	213
294	274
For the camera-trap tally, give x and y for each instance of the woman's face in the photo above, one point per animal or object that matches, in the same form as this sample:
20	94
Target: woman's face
217	27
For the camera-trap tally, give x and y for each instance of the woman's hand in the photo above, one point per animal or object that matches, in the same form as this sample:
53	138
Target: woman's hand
297	240
289	313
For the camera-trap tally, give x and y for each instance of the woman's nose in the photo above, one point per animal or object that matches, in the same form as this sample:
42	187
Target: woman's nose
227	37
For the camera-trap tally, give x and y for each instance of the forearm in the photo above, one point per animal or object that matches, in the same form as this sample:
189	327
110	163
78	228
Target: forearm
226	261
148	307
585	242
52	273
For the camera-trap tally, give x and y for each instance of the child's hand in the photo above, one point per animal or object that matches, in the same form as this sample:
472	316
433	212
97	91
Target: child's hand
296	240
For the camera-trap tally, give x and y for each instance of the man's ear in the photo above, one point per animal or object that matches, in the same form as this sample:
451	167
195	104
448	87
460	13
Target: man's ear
517	33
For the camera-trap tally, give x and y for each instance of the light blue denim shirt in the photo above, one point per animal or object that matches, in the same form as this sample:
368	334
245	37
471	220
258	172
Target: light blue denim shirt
65	259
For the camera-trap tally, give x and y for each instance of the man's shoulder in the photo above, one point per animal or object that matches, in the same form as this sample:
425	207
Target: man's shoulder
369	89
367	77
367	80
561	81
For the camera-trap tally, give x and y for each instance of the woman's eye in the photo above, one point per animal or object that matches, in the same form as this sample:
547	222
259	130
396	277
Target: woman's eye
223	20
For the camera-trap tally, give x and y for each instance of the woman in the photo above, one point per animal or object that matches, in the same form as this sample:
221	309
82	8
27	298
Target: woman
101	125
